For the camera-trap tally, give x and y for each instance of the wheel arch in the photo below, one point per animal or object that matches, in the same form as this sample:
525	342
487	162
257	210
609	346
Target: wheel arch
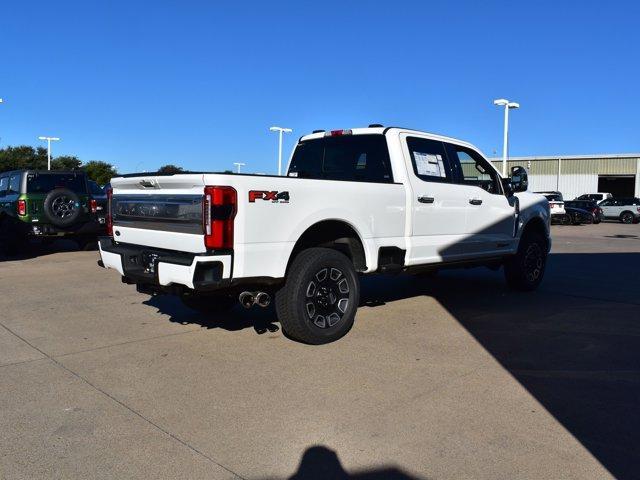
336	234
536	225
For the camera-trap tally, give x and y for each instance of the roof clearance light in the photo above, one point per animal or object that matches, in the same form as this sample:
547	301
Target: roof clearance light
338	133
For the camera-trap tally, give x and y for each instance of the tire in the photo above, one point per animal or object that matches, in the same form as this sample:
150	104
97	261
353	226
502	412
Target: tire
11	240
567	220
627	217
320	297
62	207
525	270
87	244
209	304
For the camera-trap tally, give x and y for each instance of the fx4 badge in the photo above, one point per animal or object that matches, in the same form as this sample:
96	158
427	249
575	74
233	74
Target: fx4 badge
273	196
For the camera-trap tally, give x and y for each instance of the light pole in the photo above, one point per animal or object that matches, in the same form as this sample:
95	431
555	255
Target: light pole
281	131
49	140
505	146
239	164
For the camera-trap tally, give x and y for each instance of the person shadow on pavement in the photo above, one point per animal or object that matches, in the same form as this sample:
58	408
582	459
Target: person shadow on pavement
321	463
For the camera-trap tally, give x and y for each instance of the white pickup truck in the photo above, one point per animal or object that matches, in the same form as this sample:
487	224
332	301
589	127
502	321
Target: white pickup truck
353	202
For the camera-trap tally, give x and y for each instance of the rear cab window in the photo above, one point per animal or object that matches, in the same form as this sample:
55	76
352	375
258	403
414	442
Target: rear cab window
4	184
45	182
14	183
356	158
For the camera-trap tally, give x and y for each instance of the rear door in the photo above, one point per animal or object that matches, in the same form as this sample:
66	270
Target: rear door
490	214
609	208
438	204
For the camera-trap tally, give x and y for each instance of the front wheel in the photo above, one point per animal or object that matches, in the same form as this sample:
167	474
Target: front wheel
524	271
320	297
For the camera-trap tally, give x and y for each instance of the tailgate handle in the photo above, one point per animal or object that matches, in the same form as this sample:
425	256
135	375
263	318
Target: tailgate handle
426	199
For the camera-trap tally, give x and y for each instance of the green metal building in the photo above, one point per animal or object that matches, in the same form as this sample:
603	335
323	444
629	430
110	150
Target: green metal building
618	174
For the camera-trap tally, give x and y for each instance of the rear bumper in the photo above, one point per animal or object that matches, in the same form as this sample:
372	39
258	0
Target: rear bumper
93	227
165	268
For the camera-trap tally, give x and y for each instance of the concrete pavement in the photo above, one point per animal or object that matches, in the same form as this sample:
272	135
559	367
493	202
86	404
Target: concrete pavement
446	377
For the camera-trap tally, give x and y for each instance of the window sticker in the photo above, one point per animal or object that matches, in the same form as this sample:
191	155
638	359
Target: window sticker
429	164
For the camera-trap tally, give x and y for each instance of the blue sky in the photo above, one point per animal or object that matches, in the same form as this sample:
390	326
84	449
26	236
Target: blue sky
198	83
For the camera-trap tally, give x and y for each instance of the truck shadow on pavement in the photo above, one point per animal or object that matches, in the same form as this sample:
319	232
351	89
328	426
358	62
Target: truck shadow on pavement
321	463
574	344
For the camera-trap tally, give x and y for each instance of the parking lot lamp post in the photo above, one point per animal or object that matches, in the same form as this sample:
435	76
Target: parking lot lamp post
238	165
49	140
281	130
505	146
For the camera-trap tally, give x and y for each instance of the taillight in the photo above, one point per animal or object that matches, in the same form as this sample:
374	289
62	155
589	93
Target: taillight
337	133
109	218
22	207
93	205
218	210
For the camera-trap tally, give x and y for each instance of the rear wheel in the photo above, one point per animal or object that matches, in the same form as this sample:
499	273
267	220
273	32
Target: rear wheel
87	243
11	241
627	217
524	271
209	304
320	297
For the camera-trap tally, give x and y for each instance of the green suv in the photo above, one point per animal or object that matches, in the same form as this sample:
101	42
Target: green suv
47	204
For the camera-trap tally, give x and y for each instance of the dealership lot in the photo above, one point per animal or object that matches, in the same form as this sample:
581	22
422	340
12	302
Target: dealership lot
445	377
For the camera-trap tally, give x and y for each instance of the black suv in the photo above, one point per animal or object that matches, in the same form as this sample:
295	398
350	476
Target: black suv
47	204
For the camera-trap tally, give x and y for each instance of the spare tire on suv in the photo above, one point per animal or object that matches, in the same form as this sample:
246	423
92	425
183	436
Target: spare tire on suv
62	207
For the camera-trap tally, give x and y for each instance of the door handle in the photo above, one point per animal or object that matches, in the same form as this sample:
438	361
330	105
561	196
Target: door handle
425	199
475	201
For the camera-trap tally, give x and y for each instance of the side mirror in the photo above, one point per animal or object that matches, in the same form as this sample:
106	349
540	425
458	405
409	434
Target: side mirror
519	179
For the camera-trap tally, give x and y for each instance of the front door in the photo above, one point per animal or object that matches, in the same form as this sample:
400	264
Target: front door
490	214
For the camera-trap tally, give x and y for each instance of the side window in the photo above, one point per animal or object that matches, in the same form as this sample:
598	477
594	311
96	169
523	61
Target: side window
429	160
14	183
606	203
472	169
358	157
4	183
307	160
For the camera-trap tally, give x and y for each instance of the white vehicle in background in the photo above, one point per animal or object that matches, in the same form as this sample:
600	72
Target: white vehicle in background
594	197
353	202
556	207
627	210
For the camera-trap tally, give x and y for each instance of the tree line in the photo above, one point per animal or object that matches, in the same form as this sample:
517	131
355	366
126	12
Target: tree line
26	157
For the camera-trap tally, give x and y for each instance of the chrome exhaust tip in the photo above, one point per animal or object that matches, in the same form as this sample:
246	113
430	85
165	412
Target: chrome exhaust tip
247	299
263	299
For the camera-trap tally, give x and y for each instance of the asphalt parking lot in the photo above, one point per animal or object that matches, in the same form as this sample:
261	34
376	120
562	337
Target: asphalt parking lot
446	377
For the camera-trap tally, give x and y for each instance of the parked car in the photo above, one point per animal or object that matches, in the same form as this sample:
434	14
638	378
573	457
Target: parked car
46	204
353	202
595	197
578	215
627	210
556	207
588	205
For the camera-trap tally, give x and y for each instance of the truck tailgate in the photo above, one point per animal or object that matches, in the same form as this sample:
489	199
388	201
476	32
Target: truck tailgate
161	212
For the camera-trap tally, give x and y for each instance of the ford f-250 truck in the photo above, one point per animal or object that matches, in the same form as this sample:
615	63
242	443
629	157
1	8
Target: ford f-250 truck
353	202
